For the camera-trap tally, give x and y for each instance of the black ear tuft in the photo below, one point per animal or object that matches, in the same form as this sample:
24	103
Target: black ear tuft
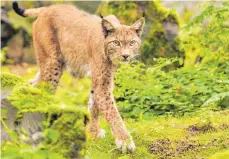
139	25
108	28
100	15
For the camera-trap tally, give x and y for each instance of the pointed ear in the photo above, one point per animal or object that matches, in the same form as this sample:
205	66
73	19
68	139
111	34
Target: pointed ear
108	28
138	26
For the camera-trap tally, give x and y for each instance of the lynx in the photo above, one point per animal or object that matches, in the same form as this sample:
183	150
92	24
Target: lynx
66	37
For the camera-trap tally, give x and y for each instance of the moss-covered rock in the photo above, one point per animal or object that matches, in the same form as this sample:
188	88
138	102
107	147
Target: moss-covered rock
9	80
162	26
62	126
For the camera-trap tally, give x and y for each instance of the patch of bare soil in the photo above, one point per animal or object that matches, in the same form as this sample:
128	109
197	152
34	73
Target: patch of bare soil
185	145
197	129
162	146
172	149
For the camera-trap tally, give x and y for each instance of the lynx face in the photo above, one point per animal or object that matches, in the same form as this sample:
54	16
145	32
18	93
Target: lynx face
122	42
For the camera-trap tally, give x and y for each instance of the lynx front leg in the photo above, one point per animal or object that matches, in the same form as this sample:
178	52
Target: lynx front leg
109	110
93	125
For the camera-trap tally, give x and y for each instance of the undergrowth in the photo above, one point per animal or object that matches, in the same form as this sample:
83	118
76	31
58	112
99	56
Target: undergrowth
151	90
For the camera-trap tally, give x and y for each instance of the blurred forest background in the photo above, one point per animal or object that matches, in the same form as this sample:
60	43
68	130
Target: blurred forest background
183	70
163	35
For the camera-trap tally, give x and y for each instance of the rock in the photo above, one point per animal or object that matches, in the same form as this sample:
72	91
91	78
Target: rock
15	46
171	30
9	119
29	54
7	31
31	123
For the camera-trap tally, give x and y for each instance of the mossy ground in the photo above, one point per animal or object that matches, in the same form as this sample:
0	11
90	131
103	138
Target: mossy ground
168	137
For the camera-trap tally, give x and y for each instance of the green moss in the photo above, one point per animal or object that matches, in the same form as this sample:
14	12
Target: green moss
220	155
72	139
70	122
9	80
30	99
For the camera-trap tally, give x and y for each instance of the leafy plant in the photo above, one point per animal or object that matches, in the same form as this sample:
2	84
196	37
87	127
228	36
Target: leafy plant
205	38
143	90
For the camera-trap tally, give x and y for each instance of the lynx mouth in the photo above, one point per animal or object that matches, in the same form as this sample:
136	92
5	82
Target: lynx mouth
121	59
126	59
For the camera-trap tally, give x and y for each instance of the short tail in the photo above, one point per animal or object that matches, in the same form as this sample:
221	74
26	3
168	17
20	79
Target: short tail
27	12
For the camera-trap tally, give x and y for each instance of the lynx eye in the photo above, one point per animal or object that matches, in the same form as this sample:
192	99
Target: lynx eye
116	43
133	42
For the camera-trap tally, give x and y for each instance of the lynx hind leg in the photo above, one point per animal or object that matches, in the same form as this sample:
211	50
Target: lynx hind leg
93	125
48	52
51	63
52	72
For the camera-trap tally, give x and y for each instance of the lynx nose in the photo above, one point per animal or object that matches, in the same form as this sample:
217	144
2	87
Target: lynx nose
125	56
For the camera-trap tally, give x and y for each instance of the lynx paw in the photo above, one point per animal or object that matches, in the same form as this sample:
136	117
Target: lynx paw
32	81
102	133
36	80
125	145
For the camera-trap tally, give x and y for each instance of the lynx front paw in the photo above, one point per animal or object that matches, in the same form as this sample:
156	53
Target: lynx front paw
36	80
101	133
125	145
